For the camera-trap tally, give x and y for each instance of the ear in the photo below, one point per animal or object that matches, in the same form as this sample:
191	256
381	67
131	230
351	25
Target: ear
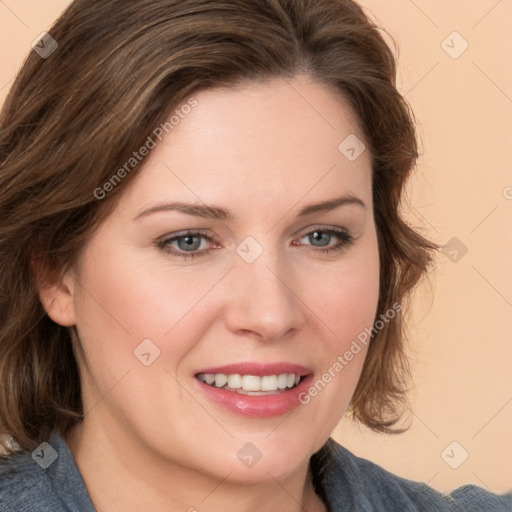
56	293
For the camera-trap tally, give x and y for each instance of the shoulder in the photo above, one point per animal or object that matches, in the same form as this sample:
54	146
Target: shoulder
472	498
46	480
353	483
25	486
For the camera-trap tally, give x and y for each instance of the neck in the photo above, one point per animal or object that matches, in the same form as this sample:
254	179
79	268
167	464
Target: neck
124	475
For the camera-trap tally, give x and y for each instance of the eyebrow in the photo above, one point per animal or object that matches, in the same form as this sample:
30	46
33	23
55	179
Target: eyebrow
221	214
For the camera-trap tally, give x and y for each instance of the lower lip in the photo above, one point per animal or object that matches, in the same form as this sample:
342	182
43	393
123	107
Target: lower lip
258	406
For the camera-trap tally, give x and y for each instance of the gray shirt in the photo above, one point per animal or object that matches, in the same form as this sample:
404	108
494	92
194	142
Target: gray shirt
48	480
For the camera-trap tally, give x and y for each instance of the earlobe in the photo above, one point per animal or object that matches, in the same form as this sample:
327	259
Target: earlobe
56	294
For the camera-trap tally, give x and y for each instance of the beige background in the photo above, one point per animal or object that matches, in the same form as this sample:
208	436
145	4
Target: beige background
461	334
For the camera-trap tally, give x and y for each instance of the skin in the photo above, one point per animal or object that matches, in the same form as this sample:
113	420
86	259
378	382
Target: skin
262	152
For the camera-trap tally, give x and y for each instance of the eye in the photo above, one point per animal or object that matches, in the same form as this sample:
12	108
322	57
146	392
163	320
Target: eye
322	239
192	244
185	245
319	238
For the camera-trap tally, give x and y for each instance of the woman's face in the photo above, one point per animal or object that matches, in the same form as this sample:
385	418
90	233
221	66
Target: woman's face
266	265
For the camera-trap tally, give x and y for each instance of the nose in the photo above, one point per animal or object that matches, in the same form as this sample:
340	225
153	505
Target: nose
264	300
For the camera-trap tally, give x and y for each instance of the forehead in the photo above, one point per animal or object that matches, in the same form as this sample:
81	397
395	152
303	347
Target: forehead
257	144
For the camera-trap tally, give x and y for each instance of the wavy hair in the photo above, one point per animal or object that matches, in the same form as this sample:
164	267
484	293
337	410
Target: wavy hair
120	68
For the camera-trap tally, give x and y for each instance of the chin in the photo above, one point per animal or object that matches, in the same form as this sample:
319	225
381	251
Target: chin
266	457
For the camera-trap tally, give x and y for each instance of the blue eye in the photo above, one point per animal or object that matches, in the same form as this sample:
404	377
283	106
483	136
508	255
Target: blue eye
322	238
185	245
188	244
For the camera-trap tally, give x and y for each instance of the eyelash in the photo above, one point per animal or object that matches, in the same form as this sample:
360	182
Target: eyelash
345	240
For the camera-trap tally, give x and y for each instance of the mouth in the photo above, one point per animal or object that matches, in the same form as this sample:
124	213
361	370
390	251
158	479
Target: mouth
254	389
251	385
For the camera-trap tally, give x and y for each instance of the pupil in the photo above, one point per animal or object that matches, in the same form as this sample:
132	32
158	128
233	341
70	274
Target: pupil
189	242
320	236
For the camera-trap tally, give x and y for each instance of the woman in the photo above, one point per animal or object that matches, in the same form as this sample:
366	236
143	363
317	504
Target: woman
205	262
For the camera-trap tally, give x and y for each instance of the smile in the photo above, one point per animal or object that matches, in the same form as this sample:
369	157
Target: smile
251	384
258	390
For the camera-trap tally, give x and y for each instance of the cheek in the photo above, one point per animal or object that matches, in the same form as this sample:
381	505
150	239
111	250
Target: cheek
345	296
345	299
124	301
127	300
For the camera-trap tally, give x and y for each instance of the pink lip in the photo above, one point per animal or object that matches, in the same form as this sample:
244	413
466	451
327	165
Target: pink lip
258	369
258	406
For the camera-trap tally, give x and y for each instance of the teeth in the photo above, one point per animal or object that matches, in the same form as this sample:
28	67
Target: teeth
220	380
252	383
234	381
269	383
282	381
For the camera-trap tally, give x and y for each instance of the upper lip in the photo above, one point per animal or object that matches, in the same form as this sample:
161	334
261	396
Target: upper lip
258	369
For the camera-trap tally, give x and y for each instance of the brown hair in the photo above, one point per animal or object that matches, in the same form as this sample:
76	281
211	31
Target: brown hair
76	116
